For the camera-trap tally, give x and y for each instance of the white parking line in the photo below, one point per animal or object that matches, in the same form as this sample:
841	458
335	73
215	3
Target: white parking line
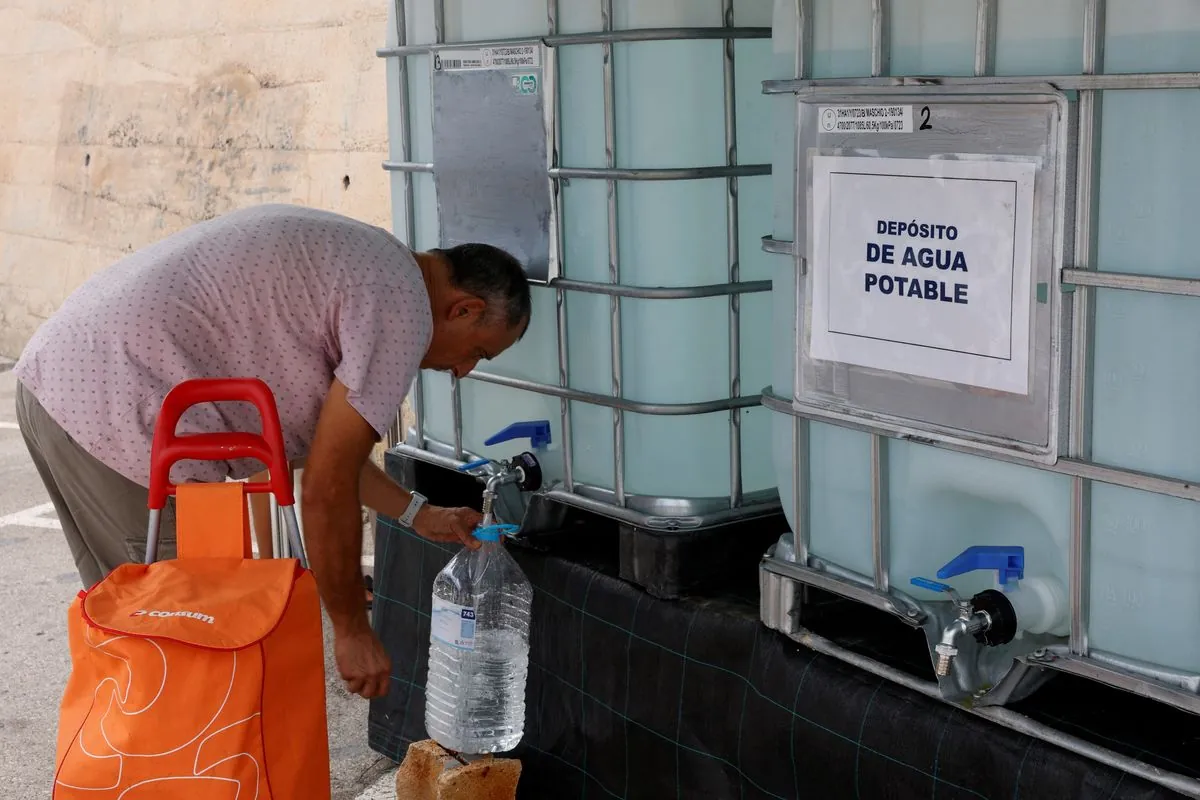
9	426
32	518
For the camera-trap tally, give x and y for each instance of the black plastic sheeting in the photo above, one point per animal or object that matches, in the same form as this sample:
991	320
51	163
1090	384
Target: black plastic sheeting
633	697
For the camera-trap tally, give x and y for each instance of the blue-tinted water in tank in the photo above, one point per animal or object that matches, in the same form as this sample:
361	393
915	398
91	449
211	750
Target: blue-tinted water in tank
669	112
1144	567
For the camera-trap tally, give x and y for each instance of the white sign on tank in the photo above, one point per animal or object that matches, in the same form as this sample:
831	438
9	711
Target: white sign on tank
923	267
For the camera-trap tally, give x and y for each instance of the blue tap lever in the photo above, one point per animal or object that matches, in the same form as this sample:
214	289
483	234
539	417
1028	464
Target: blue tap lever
1007	560
536	431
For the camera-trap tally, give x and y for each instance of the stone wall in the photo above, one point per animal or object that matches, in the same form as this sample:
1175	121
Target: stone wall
122	121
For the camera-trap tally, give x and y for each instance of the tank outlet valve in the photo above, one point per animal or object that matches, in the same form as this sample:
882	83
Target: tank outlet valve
989	616
524	471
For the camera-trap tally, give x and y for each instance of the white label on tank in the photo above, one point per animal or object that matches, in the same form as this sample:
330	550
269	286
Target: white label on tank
513	56
923	267
453	624
865	119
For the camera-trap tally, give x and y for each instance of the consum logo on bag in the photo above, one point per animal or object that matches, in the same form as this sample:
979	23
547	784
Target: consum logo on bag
142	612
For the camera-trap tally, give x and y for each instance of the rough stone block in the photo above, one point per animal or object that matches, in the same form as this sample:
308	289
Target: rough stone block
429	772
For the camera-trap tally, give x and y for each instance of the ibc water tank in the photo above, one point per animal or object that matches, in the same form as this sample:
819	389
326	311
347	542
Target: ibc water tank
1131	582
661	310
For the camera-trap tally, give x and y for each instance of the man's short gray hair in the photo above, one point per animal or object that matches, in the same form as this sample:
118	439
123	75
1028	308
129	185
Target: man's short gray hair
494	276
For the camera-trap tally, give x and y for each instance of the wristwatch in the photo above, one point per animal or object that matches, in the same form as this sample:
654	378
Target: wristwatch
410	513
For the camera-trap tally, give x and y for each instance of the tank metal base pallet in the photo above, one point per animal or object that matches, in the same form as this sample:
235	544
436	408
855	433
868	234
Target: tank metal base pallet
668	564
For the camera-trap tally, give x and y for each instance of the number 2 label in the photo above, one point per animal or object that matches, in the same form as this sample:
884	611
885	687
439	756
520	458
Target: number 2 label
925	126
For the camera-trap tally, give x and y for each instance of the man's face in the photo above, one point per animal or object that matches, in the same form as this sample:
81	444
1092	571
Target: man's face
465	336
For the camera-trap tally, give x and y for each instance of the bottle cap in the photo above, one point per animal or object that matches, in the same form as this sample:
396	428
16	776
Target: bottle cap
492	533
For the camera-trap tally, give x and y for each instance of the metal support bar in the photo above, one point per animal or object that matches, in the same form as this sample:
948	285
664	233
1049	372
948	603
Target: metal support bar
899	606
733	256
804	38
801	535
614	256
560	296
606	36
407	166
656	513
1072	276
439	21
623	173
662	292
1189	287
1114	476
439	35
620	403
881	57
418	393
800	484
985	37
1079	445
611	173
1107	82
880	65
879	511
777	246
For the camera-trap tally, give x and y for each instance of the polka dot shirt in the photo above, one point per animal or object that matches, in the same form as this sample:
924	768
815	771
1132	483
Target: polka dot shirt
291	295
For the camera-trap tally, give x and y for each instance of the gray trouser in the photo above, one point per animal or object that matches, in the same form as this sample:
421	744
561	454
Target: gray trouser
104	515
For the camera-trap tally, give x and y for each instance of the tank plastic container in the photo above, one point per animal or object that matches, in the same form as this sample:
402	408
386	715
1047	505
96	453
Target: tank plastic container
675	103
1131	599
479	649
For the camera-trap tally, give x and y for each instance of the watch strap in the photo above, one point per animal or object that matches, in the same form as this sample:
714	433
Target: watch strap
410	513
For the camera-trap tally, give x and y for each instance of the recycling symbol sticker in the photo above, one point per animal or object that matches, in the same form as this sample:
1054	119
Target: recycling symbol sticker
525	84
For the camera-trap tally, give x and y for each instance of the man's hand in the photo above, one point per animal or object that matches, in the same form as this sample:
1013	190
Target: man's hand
448	525
363	663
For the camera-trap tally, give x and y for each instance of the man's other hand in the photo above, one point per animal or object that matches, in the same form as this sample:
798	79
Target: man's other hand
448	525
363	663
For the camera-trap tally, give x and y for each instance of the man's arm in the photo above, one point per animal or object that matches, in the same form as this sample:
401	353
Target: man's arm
379	492
333	533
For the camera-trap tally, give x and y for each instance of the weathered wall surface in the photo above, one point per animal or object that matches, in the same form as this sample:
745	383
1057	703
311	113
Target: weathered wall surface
122	121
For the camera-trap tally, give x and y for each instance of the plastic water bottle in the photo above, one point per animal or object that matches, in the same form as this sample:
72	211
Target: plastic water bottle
479	649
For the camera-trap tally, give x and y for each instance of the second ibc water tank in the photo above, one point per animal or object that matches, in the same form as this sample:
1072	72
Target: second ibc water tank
1131	600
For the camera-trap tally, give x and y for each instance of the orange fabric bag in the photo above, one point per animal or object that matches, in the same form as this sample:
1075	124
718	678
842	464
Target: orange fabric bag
202	677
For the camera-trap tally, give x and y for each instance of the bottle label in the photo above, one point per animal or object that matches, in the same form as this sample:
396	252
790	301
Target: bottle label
453	624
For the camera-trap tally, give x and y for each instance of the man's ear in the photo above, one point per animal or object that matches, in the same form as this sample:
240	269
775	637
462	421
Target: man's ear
466	309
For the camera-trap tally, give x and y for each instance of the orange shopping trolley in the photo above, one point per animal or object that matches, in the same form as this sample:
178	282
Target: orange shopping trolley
200	677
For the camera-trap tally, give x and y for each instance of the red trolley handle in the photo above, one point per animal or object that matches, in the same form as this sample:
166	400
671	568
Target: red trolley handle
169	447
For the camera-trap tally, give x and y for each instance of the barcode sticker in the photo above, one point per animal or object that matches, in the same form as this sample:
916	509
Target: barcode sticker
453	624
514	56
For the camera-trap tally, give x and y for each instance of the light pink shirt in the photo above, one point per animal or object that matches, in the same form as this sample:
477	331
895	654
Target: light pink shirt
291	295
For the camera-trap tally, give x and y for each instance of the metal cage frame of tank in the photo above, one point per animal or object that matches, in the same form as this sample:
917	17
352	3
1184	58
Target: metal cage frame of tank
640	511
782	581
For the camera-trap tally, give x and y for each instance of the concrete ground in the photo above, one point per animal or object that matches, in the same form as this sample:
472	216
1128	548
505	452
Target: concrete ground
37	582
